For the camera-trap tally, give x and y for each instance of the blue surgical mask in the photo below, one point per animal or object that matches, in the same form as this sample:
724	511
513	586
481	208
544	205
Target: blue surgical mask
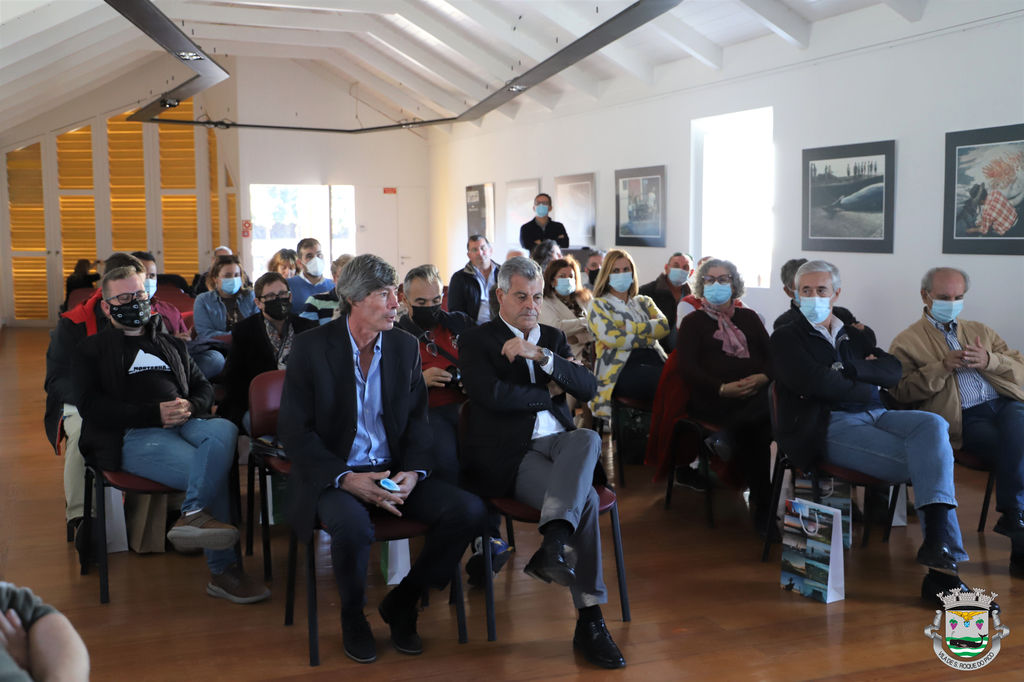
150	285
717	293
565	286
815	308
231	285
946	311
620	281
677	276
542	210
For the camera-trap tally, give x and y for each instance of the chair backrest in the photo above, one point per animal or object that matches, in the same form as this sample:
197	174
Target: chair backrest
265	402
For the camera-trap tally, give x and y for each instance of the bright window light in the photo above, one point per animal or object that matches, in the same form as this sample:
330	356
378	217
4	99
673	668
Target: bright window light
734	190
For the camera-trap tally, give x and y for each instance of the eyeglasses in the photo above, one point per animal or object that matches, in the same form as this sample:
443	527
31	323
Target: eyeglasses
283	296
125	299
721	279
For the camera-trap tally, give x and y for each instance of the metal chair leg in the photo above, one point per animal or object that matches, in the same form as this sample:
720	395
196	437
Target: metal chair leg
986	501
620	562
313	628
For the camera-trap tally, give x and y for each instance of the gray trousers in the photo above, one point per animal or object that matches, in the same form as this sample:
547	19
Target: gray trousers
556	476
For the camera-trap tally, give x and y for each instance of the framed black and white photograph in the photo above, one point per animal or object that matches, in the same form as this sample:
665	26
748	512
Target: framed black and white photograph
575	205
984	196
640	206
848	193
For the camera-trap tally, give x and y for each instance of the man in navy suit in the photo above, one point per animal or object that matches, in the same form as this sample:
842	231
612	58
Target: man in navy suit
354	412
521	442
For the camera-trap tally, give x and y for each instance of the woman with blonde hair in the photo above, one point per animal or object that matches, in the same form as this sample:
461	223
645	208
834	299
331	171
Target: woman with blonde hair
626	327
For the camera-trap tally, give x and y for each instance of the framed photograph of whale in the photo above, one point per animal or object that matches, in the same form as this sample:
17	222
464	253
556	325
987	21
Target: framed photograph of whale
848	197
640	206
983	210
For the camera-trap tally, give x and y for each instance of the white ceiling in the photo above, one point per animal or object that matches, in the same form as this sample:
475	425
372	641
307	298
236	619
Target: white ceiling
417	58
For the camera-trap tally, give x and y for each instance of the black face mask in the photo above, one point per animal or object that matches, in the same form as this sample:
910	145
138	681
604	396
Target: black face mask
592	276
425	316
134	314
277	309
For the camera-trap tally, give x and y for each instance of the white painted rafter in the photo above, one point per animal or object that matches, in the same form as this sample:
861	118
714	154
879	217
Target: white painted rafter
683	35
567	16
911	10
781	20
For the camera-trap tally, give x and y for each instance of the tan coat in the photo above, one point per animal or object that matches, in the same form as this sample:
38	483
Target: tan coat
556	314
927	385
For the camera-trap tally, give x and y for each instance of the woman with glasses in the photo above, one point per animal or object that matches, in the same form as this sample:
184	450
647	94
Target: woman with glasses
726	364
261	343
228	301
565	307
626	327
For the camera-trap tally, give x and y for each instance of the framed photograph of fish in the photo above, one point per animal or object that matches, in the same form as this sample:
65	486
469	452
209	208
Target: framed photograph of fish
984	199
848	194
640	206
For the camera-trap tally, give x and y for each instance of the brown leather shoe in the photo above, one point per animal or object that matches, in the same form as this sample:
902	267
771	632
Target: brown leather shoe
237	586
201	531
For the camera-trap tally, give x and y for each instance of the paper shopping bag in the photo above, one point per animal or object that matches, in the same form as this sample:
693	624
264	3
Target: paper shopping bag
812	551
835	494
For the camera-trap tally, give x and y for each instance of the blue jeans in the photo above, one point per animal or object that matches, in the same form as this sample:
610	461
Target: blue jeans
995	431
897	445
210	363
195	457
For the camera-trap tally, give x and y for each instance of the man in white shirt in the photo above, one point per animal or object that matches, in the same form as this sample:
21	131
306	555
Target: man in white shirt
520	442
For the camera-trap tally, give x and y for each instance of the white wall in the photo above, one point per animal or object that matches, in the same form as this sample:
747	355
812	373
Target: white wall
282	92
867	76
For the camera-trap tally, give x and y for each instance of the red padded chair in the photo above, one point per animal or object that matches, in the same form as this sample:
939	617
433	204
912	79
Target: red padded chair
96	481
264	454
385	528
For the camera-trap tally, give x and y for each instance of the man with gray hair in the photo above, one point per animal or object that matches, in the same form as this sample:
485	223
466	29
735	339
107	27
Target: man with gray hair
828	407
963	371
354	422
521	442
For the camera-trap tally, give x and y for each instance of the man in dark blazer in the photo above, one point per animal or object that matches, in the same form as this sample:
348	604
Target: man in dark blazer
521	442
354	412
260	343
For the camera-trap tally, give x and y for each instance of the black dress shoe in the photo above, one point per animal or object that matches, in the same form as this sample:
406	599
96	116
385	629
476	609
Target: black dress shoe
936	583
936	556
401	617
1011	524
553	563
358	638
593	640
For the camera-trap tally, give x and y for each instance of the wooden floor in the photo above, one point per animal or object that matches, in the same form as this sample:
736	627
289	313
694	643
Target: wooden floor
704	606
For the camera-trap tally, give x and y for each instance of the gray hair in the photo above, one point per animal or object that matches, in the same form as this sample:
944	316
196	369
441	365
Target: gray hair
738	288
929	278
362	276
818	266
426	272
520	265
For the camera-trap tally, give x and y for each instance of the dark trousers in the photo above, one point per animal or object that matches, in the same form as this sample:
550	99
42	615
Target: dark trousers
995	430
455	517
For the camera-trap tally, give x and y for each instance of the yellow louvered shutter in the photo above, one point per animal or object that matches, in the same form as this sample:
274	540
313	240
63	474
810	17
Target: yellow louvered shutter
211	145
127	184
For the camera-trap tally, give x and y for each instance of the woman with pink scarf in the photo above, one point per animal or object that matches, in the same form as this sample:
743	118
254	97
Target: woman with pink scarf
726	363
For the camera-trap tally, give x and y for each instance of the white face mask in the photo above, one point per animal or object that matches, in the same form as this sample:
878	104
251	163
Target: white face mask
315	266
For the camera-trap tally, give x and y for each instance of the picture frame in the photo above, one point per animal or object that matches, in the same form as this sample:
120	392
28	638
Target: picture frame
848	197
983	202
640	202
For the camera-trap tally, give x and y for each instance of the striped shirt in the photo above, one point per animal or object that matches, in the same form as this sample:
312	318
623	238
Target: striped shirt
974	389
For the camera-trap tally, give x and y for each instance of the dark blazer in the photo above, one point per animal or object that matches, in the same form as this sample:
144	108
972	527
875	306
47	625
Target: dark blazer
808	388
505	403
108	408
251	354
317	421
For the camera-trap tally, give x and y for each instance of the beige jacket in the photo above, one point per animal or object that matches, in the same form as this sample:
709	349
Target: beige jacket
927	385
556	314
